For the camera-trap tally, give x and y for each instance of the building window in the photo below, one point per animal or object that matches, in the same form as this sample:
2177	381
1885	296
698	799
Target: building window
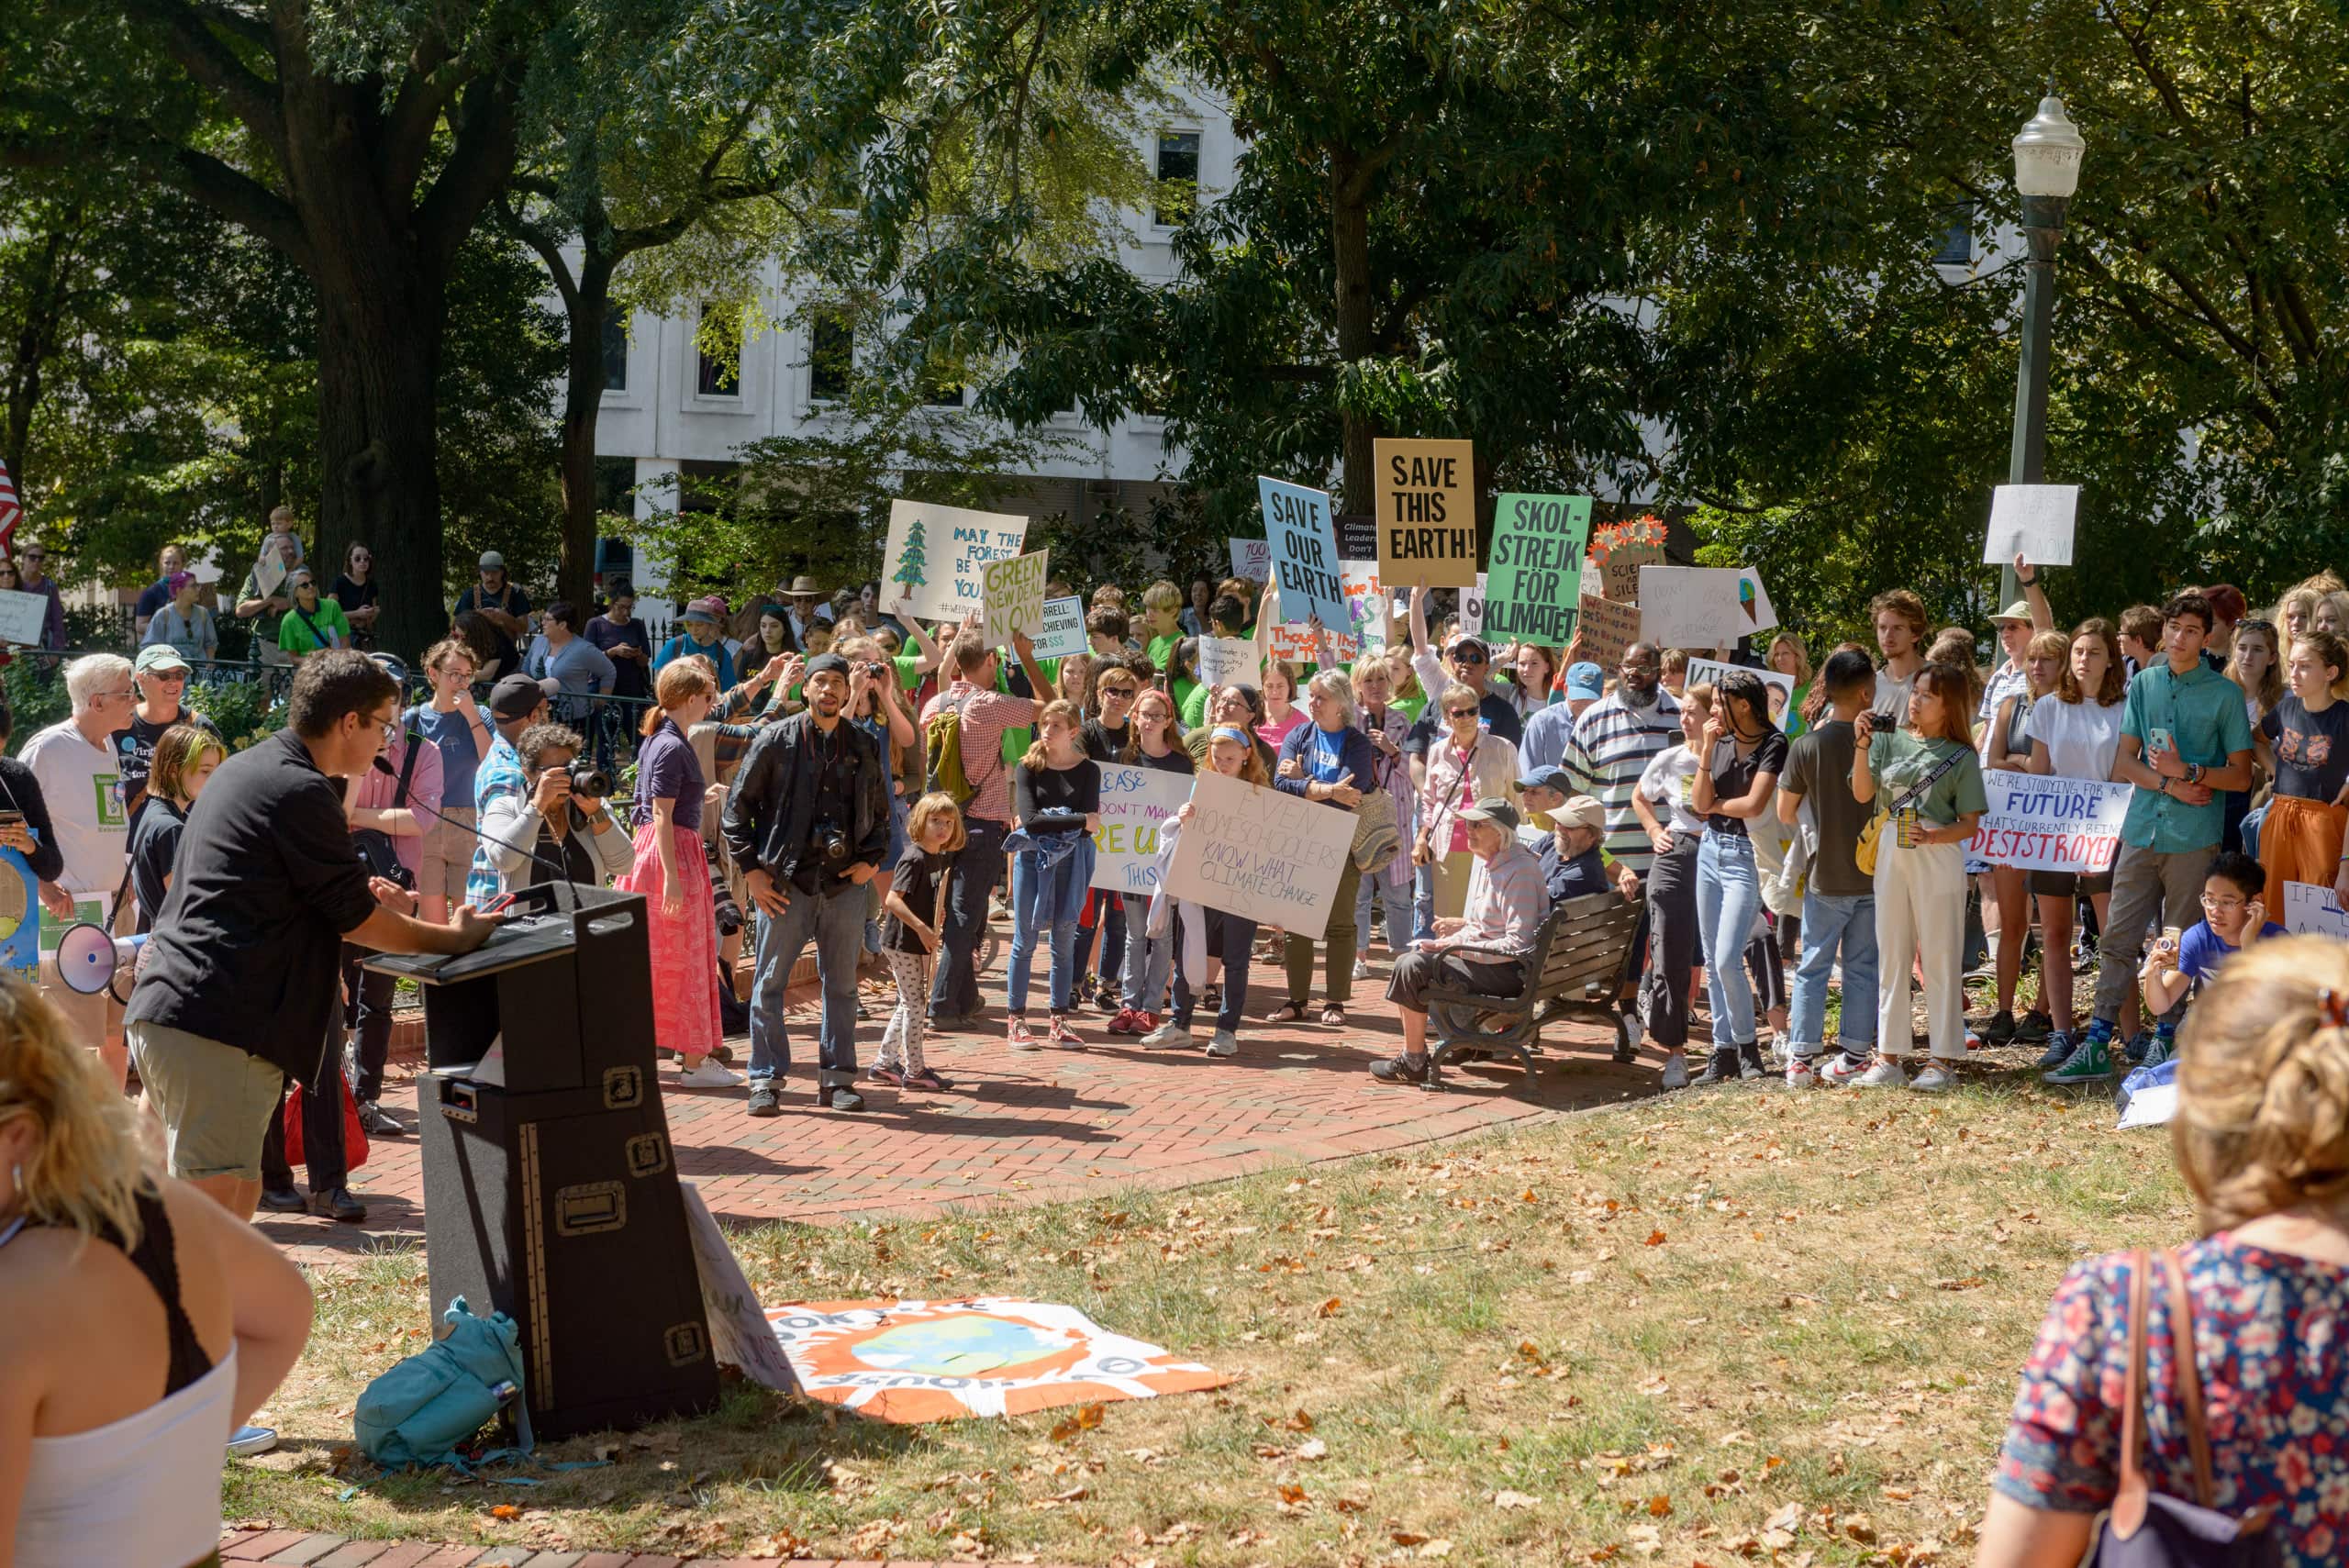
1177	172
1956	247
718	351
615	349
831	356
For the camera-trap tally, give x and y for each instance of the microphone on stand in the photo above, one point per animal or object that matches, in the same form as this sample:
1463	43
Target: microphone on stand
561	872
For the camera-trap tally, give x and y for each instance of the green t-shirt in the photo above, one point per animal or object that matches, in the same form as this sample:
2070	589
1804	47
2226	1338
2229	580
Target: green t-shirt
295	637
1900	760
1161	652
908	667
1194	706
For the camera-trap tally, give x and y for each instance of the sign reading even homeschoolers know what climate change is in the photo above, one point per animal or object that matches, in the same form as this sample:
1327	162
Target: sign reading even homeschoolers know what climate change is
935	554
1427	512
1255	852
1136	804
1305	552
1534	575
2051	824
1013	591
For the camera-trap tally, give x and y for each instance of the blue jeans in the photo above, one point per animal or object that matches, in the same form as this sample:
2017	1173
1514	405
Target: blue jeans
1147	961
2252	821
1046	902
1422	903
1398	918
1728	891
954	991
1830	922
837	926
1232	937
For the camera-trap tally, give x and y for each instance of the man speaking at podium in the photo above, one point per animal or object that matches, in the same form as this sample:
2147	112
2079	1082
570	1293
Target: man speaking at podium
809	823
243	972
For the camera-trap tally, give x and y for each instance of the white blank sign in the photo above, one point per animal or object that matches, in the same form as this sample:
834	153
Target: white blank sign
2033	521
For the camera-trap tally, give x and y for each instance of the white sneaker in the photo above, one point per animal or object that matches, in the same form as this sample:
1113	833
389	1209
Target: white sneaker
711	1075
1886	1073
1223	1043
1361	970
1934	1080
1675	1071
1800	1074
246	1441
1166	1035
1838	1071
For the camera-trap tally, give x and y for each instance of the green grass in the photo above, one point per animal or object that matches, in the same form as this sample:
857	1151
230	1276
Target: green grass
1665	1322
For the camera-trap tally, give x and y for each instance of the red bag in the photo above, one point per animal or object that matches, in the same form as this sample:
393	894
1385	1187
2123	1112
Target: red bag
354	1136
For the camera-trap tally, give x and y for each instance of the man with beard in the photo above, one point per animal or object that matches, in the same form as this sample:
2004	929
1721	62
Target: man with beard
808	822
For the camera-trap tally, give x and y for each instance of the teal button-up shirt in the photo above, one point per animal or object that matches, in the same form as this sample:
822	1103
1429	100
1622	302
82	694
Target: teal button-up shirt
2203	715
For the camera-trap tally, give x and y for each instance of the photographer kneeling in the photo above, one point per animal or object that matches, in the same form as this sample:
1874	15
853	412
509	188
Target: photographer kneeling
562	817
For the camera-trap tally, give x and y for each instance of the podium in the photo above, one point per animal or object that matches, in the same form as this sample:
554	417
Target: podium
549	1185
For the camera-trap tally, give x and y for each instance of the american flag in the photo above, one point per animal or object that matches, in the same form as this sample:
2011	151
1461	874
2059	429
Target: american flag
10	510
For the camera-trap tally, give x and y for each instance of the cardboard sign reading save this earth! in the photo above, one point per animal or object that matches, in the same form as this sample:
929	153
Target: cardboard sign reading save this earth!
1427	512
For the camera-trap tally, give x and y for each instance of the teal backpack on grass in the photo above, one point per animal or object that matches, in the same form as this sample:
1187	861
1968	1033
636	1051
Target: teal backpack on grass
424	1408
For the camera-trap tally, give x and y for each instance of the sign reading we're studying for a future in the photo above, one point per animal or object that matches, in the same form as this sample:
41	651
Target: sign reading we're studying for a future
1271	858
1534	575
1305	552
1427	512
2039	823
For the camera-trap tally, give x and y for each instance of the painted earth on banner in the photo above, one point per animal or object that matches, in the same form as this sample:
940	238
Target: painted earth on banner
943	1360
2051	824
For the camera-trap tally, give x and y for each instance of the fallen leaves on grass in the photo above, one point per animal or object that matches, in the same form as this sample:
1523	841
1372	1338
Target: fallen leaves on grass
1330	1308
1087	1417
1312	1449
1515	1500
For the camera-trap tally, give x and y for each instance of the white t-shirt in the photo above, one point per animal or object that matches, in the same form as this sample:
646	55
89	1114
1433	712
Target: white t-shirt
82	786
2082	737
1667	782
1892	693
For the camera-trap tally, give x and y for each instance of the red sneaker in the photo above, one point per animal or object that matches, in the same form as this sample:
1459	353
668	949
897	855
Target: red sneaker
1127	1021
1016	1033
1064	1035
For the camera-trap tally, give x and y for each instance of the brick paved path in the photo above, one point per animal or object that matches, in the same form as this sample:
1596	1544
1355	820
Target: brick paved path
1044	1124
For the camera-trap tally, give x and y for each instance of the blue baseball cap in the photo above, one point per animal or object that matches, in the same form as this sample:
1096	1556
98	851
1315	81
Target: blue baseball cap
1547	778
1586	681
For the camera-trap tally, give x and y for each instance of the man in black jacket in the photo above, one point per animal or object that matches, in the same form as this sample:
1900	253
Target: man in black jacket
808	822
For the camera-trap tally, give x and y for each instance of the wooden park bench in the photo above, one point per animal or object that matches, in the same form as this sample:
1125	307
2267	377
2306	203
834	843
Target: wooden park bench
1577	965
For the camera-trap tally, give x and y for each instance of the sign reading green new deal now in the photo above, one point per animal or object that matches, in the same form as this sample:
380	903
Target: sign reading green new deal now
1534	574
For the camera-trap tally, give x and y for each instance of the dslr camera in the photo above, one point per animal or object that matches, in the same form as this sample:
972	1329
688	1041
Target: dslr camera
587	781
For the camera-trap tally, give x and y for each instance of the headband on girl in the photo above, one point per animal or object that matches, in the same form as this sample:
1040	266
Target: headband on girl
1226	732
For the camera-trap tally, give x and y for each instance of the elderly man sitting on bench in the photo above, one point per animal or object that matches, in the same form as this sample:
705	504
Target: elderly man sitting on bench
1484	949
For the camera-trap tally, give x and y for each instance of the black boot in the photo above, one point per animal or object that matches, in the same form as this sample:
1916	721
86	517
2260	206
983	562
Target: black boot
1721	1069
1749	1060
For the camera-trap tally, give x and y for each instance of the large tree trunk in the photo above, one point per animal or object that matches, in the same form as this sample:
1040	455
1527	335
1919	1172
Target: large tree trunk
378	357
1349	254
582	401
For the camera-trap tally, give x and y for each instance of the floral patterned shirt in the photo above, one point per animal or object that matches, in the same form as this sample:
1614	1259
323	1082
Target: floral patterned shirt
2268	1338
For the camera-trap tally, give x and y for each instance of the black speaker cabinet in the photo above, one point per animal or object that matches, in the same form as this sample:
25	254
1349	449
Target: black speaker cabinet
562	1211
549	1187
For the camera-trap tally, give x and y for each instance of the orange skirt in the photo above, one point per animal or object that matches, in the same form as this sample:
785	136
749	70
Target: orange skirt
2300	841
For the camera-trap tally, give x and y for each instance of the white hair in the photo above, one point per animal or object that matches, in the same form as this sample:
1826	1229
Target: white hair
91	673
1334	684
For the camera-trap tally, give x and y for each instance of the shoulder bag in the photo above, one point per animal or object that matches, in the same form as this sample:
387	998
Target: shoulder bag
1864	852
2146	1529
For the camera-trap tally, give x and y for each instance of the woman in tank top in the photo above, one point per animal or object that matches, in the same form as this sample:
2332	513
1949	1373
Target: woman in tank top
145	1322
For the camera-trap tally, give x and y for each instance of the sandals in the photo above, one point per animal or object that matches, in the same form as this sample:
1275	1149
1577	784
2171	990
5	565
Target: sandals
1286	1013
1333	1015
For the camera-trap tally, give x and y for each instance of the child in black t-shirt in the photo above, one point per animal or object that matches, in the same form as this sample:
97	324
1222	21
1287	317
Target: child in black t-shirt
915	906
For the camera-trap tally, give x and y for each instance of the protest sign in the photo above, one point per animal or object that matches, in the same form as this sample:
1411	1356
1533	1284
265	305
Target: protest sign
2050	824
1305	552
1534	575
739	1334
23	617
1136	803
1063	631
2311	910
1251	559
1292	645
1013	592
19	914
1607	626
930	566
1271	858
1427	512
1357	536
1472	608
2034	521
1226	660
1708	673
1366	601
1618	550
1702	606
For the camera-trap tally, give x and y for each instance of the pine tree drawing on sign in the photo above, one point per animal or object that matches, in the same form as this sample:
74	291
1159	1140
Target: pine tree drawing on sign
916	557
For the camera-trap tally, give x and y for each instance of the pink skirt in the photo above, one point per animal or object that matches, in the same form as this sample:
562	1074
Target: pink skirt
685	949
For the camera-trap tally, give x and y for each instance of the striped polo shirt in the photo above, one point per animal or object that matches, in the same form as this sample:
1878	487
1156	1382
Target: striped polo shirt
1606	755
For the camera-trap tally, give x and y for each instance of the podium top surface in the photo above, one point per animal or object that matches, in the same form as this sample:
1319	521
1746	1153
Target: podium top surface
514	942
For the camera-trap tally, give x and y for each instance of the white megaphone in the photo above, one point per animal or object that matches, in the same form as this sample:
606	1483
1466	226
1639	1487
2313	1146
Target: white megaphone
88	957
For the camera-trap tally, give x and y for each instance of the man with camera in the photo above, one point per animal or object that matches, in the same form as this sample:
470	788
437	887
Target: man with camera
807	821
563	820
